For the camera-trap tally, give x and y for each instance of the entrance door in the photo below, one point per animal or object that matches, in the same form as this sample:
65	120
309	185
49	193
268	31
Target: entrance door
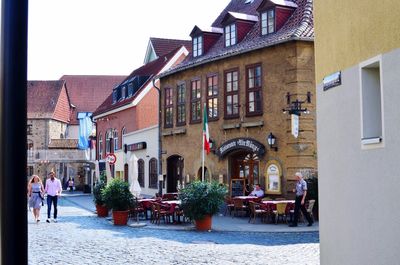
245	165
174	172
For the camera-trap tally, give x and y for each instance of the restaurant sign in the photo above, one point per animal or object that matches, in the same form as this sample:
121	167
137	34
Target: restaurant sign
136	146
247	144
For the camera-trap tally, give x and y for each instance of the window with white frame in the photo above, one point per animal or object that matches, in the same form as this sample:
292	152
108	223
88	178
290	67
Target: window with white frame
230	35
100	146
371	102
108	141
116	143
268	22
197	46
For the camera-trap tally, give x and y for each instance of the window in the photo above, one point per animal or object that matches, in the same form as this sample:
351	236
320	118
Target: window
29	129
230	35
141	172
116	144
100	146
114	96
197	46
123	92
254	90
153	177
232	94
195	102
371	102
123	132
268	22
168	108
212	97
130	89
29	147
108	141
181	105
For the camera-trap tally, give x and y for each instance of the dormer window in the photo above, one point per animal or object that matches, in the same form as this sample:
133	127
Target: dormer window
114	96
230	35
268	22
197	46
130	89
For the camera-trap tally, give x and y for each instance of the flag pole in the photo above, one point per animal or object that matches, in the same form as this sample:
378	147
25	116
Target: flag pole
202	151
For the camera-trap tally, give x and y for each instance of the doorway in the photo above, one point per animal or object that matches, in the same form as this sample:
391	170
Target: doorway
245	166
174	172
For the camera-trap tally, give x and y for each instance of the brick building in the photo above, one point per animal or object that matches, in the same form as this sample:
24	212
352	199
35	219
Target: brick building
255	60
129	115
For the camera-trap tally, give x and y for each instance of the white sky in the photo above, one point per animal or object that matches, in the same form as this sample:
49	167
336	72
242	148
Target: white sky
99	37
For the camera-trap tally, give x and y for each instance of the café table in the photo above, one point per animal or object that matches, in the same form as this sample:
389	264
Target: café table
146	203
172	206
271	205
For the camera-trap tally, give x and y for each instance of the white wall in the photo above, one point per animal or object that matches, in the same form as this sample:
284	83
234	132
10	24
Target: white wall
150	136
359	187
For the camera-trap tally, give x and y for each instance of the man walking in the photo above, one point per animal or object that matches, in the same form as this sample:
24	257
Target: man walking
53	190
301	192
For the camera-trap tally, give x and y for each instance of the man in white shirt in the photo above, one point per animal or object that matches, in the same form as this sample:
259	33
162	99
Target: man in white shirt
53	190
258	192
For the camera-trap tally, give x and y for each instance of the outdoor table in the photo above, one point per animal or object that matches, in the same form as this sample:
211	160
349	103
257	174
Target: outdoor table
246	199
171	206
271	205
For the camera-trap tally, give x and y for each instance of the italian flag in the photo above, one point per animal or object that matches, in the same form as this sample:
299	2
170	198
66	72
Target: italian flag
206	134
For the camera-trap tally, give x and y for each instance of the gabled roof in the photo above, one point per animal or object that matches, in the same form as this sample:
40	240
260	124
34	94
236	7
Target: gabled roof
299	26
240	16
87	92
158	47
151	69
48	100
197	29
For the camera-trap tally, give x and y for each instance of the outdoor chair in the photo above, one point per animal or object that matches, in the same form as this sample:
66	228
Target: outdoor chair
280	212
255	210
229	206
162	213
238	206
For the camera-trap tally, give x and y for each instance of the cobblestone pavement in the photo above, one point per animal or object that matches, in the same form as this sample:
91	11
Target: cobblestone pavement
80	237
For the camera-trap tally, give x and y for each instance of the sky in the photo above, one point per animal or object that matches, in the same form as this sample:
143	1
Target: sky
99	37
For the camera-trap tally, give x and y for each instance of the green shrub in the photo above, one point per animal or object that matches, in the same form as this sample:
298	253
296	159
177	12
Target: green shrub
202	198
117	195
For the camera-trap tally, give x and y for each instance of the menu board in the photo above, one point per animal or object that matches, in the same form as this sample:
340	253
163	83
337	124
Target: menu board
237	187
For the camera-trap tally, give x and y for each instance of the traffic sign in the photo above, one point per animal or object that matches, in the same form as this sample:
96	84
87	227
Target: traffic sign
111	158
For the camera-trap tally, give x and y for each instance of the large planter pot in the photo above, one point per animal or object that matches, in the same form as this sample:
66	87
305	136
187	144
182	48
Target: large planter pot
102	210
204	224
120	217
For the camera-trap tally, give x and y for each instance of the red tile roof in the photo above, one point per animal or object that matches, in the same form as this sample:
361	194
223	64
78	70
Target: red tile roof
299	26
164	46
43	99
87	92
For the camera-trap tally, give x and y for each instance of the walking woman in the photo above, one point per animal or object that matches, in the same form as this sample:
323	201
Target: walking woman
35	194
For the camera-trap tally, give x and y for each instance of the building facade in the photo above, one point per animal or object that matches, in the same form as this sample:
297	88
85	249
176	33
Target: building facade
357	76
254	62
130	112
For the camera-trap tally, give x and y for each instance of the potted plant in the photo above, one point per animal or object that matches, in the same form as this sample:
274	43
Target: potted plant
118	198
201	200
101	208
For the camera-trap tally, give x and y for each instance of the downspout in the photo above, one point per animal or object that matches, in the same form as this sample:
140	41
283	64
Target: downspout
160	175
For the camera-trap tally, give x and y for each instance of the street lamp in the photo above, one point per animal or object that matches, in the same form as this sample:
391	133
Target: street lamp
271	139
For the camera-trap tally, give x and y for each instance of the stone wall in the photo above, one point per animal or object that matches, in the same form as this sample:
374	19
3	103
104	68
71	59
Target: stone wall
286	68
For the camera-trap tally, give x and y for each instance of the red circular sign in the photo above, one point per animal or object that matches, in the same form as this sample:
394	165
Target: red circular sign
111	159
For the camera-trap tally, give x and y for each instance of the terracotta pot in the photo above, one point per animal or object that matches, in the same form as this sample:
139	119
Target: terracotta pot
204	224
120	217
101	210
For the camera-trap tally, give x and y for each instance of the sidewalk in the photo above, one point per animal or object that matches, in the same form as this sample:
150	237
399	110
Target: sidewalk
219	222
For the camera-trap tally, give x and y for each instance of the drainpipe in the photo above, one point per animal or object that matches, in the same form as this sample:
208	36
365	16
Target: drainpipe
160	176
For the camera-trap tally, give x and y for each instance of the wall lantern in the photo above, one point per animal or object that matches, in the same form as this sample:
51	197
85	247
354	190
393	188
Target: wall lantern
271	141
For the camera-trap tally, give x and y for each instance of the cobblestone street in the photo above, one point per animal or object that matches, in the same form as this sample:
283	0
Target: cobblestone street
81	238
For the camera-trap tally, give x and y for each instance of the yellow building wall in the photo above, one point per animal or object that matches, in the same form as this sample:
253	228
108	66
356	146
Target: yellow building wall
348	32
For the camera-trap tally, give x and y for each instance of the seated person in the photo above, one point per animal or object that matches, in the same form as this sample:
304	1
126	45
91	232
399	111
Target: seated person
258	192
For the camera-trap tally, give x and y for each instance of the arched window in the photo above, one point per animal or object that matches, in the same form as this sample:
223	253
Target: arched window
141	172
108	139
116	144
206	174
153	173
123	132
100	148
29	148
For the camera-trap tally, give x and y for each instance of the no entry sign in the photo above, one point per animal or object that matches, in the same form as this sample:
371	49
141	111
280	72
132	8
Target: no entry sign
111	159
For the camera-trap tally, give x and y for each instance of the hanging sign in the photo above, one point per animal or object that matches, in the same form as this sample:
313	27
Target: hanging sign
295	125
